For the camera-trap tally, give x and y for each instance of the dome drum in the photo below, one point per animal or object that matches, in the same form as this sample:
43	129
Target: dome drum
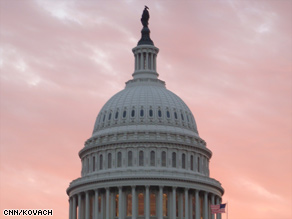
145	156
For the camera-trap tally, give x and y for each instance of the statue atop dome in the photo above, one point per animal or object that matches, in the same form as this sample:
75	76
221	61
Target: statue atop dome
145	33
145	17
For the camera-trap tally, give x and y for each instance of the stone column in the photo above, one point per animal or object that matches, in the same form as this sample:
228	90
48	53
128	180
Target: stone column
152	67
136	61
79	206
160	204
96	204
205	205
191	205
112	205
186	203
147	200
197	204
102	198
155	56
147	62
173	202
87	210
74	208
82	208
70	207
120	202
218	202
107	203
180	205
134	211
141	60
212	203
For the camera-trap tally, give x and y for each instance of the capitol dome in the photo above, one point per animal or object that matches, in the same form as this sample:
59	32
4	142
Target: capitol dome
145	158
145	105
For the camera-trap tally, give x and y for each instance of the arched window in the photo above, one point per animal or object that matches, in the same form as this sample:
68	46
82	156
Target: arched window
103	117
188	118
163	159
167	114
117	115
124	114
93	163
109	160
152	158
192	162
83	170
159	113
87	164
183	158
175	115
119	159
133	113
150	112
141	113
100	162
110	116
173	159
198	165
141	158
182	117
130	158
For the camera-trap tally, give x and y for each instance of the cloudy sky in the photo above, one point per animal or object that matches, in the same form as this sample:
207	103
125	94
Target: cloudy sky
230	61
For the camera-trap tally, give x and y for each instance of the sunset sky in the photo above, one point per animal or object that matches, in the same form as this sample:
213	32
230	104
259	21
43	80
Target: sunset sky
230	61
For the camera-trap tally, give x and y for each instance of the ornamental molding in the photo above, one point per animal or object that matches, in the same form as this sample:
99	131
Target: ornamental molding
198	184
145	135
145	48
93	148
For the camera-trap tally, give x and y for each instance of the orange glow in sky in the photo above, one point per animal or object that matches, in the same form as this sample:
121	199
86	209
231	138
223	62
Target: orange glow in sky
230	61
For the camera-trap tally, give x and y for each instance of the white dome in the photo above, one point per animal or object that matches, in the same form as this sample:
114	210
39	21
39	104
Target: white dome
145	153
145	105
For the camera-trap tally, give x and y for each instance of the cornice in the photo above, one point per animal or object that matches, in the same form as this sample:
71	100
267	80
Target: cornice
98	145
74	185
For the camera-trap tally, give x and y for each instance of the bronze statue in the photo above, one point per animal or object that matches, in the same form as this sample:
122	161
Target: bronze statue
145	17
145	32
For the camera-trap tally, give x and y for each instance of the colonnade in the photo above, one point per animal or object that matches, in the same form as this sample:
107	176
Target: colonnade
149	202
145	59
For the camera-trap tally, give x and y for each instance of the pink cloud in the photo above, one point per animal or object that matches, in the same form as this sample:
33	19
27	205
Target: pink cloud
230	61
